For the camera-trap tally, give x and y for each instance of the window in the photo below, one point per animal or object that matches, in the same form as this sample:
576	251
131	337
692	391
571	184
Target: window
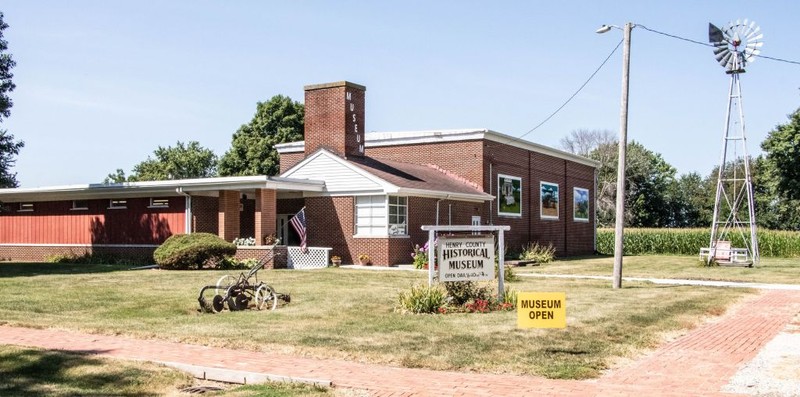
398	215
381	216
117	203
159	202
80	204
371	215
25	207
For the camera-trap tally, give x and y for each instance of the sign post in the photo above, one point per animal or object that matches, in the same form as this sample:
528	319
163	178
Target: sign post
469	254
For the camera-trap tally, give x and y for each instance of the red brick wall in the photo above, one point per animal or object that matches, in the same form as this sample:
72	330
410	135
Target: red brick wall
290	206
461	158
569	237
265	211
332	121
276	257
289	160
205	217
228	214
331	224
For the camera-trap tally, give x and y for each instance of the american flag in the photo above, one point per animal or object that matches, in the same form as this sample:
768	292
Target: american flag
298	221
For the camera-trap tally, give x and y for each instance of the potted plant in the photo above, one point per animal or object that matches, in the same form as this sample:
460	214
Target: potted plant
271	239
336	260
364	260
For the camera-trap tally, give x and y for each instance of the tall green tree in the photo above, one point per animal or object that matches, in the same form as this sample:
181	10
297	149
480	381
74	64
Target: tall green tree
9	148
691	201
774	209
183	161
648	181
782	147
252	151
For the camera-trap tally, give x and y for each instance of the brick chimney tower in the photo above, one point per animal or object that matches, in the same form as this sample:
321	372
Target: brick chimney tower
335	118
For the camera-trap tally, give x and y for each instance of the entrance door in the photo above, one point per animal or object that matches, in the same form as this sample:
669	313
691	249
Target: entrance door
285	231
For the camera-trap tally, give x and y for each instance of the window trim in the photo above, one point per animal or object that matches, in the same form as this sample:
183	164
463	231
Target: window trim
384	233
165	205
76	208
111	205
25	207
389	223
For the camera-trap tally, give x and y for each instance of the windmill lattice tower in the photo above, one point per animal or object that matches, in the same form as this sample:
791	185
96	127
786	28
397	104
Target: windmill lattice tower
734	212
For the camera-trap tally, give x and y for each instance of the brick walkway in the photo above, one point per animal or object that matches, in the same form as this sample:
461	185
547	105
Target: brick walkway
697	364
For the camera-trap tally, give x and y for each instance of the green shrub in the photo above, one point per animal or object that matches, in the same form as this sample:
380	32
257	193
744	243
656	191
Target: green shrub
771	243
192	251
88	258
510	297
231	263
508	272
461	292
538	253
423	299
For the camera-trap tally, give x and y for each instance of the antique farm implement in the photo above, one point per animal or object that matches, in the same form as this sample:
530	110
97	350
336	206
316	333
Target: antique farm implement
242	292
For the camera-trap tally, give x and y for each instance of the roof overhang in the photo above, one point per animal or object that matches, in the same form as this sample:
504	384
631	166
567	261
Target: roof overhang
159	188
477	198
378	139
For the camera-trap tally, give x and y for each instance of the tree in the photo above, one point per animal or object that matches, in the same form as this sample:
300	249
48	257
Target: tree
774	210
648	181
782	147
117	176
179	162
9	148
252	151
583	141
6	64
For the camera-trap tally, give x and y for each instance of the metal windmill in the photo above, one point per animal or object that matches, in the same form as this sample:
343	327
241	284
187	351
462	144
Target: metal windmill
735	47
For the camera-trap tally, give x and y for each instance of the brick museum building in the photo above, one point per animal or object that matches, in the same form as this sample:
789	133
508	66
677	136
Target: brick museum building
362	192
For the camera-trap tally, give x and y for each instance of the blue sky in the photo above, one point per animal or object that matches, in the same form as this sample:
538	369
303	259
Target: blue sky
101	84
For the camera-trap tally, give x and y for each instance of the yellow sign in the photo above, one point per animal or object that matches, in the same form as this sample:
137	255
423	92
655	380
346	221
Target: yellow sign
542	310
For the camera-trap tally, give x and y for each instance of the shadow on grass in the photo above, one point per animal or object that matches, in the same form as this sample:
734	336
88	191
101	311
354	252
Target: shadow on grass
14	269
30	372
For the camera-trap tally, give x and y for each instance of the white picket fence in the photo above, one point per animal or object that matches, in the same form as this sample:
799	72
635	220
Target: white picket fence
314	258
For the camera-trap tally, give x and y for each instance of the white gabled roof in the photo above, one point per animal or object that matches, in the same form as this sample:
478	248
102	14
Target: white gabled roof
378	139
160	188
341	177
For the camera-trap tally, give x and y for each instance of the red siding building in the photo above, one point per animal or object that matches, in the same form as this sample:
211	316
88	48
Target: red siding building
363	193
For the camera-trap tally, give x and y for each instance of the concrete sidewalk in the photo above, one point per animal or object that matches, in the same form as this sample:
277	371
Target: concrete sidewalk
700	363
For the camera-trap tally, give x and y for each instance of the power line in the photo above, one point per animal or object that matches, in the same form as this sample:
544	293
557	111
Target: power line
674	36
571	97
710	45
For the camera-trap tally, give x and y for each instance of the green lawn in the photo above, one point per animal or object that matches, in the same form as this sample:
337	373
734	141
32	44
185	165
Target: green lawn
351	314
34	372
770	270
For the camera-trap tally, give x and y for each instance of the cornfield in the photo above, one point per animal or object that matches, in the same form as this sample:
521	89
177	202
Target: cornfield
771	243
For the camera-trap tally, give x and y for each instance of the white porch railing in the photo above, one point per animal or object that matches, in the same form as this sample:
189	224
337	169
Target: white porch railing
315	258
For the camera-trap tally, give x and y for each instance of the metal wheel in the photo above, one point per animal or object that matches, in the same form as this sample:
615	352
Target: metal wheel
217	304
234	298
224	283
266	298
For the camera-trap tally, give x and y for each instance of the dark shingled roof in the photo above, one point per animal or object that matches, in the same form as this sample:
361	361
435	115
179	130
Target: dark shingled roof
416	176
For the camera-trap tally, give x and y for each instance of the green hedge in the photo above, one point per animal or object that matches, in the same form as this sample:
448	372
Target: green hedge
771	243
192	251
